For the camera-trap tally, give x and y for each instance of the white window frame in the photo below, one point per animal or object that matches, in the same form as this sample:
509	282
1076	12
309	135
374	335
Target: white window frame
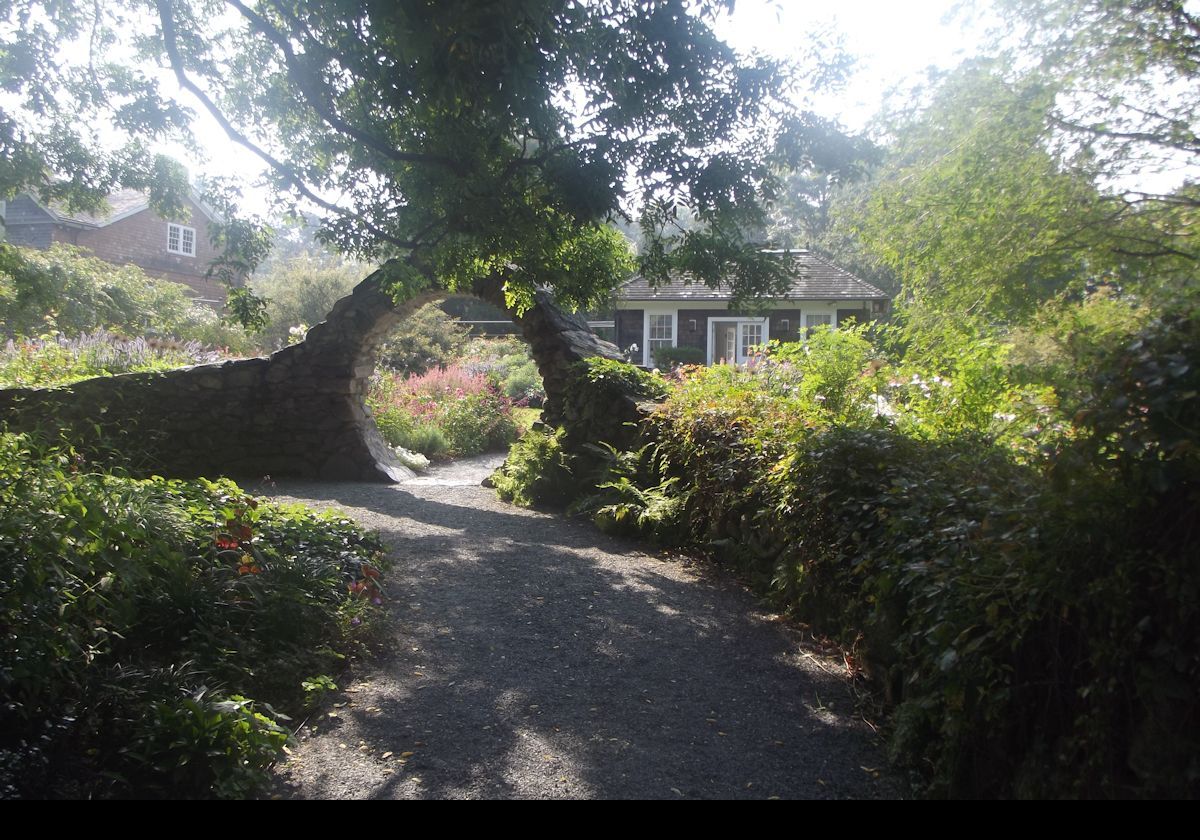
823	314
647	358
182	231
741	322
743	339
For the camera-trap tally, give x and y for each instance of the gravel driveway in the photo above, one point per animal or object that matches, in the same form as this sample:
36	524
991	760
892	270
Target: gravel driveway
535	657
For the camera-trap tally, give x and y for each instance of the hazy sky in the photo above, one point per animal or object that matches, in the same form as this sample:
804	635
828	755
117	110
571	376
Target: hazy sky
893	41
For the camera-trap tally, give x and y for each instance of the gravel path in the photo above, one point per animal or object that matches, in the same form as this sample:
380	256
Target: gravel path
535	657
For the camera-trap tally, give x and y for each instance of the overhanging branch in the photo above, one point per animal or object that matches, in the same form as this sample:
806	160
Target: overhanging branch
309	85
293	178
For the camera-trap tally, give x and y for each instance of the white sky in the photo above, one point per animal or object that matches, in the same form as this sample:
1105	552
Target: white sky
893	40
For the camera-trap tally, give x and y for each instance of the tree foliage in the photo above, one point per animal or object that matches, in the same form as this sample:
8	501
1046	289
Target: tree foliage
1128	72
301	291
476	141
973	211
1062	163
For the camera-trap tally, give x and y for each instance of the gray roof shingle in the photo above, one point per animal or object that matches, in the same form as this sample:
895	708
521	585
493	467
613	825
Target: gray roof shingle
121	203
815	279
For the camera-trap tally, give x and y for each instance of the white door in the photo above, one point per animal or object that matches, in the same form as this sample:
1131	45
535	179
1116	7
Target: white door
733	341
750	336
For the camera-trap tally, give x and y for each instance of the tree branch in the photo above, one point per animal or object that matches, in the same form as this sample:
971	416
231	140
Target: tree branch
1190	145
307	82
171	47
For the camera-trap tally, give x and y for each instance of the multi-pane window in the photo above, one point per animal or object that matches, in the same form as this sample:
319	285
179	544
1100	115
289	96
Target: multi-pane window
661	332
752	336
817	319
181	240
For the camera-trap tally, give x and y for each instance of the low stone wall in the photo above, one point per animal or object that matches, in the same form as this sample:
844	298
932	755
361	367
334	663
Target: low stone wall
247	418
297	413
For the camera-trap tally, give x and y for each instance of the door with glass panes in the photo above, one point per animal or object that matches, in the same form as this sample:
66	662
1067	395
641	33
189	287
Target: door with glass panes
733	341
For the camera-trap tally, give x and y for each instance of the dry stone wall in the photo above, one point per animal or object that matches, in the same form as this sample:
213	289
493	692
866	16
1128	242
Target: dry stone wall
298	412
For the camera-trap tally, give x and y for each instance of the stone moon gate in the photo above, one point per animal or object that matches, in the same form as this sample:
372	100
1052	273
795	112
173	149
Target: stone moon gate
298	412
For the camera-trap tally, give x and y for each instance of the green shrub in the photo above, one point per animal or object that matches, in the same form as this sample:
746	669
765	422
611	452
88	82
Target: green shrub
1028	602
477	423
672	357
64	292
840	373
537	472
197	746
300	292
132	597
508	363
426	339
425	438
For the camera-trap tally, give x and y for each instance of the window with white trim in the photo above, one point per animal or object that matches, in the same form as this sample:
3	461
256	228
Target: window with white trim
817	319
181	240
752	337
660	332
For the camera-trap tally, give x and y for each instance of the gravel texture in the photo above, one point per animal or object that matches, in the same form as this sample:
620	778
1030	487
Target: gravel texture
536	657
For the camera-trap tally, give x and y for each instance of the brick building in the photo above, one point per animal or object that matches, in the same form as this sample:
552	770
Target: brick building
131	233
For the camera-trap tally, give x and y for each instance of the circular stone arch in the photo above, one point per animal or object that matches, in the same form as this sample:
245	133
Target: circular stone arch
317	386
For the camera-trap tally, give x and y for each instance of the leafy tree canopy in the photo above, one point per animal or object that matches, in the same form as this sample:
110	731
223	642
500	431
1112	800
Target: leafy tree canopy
476	141
1127	70
1028	176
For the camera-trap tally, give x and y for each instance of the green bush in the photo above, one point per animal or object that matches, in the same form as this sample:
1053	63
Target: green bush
428	338
477	423
203	746
146	608
508	363
425	438
537	472
1029	602
64	292
301	291
672	357
839	373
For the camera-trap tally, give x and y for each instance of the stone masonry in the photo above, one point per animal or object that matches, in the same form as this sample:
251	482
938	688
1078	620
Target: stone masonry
298	412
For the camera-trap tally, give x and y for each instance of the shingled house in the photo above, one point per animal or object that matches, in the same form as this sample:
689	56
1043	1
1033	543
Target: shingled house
682	314
130	233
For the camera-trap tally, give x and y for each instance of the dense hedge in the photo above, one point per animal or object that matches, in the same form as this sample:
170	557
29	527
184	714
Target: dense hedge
138	617
1026	592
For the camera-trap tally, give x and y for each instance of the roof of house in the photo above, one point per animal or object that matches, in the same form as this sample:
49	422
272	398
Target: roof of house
121	204
815	279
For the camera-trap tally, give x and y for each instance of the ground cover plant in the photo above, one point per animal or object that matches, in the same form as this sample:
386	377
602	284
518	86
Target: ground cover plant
157	634
1014	565
58	360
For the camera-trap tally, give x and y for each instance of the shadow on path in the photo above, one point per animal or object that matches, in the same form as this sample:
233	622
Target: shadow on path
537	657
